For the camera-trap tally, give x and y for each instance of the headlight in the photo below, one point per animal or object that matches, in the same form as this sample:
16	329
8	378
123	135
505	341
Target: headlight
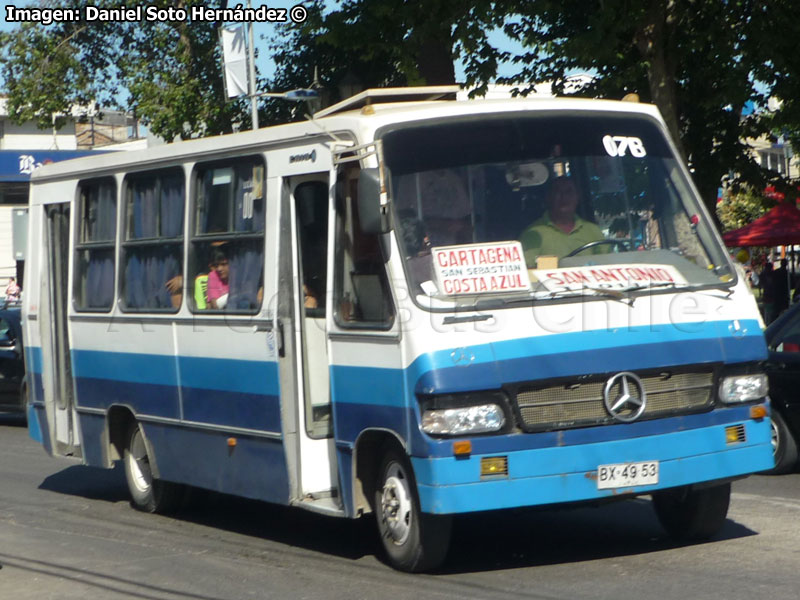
469	419
743	388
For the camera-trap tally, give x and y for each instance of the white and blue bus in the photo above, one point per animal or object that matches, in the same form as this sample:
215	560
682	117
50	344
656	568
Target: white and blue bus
391	308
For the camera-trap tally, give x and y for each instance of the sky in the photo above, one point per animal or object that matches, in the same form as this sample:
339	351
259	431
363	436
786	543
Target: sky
260	30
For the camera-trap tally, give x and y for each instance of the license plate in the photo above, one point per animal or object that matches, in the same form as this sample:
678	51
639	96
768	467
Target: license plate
623	475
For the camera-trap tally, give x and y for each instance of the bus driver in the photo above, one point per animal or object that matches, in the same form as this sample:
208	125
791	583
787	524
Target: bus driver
559	230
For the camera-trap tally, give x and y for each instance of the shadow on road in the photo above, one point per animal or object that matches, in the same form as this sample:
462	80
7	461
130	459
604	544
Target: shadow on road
481	542
534	537
89	482
285	525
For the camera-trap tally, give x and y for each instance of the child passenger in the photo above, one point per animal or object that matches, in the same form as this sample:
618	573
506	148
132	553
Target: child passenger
218	286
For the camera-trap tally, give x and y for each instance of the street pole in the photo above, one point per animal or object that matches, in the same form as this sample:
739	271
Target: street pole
252	74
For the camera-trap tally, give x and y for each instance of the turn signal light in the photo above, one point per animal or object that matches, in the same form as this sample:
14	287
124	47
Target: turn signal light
462	447
758	412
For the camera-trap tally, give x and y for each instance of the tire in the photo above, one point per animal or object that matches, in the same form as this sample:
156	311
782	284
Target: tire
784	446
692	514
147	494
413	541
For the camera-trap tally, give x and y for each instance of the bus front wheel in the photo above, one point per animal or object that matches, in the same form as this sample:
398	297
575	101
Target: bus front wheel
413	541
693	514
147	493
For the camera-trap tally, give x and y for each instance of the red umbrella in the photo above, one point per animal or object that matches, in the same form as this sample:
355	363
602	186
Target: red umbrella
779	227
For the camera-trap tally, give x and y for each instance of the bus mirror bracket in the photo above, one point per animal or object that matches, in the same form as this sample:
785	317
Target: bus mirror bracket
373	215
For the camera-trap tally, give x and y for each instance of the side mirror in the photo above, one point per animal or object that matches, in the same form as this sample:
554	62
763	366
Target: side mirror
372	217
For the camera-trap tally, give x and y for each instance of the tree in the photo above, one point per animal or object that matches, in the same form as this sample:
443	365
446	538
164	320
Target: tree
376	43
169	73
704	63
739	208
697	60
307	55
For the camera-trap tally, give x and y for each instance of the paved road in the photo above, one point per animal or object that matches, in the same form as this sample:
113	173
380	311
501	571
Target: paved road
67	532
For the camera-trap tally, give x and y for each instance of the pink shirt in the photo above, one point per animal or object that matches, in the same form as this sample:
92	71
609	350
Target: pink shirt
216	287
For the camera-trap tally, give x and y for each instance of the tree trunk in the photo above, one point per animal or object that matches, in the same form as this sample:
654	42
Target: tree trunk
435	54
652	39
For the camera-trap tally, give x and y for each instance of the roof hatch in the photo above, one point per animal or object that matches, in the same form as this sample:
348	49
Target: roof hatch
395	94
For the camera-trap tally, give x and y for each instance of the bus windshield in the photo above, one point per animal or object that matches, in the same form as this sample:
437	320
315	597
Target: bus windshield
569	191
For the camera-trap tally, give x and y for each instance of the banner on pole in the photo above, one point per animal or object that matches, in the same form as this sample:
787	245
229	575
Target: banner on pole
234	56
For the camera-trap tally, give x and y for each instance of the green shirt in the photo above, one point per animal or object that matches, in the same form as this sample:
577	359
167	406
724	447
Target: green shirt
543	237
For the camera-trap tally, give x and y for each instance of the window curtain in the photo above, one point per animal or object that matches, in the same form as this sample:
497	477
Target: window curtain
102	214
145	210
147	271
101	227
245	278
100	279
172	207
148	268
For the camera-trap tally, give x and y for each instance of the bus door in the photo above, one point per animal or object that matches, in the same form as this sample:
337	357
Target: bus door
314	449
61	398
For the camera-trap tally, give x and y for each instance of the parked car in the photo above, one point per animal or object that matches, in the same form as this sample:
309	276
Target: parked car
12	362
783	368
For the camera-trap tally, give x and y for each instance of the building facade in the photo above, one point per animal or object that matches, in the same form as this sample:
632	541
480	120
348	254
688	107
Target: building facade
24	147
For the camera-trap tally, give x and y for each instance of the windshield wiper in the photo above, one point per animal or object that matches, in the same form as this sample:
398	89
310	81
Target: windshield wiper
622	294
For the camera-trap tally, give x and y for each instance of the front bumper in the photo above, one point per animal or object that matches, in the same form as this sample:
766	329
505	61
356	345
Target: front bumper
564	474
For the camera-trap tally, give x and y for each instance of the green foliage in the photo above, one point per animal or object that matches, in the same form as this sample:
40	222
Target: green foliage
697	60
308	55
702	62
376	43
169	74
742	207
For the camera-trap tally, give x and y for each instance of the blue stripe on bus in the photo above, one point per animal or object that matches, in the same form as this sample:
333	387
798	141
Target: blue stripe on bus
144	398
34	427
245	376
231	409
230	375
488	366
33	359
368	385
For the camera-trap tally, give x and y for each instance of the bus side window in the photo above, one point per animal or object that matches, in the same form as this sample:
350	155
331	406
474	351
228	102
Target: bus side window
93	285
152	247
226	258
361	288
312	207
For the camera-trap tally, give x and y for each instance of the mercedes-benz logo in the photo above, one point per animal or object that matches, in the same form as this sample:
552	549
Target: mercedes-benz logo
624	397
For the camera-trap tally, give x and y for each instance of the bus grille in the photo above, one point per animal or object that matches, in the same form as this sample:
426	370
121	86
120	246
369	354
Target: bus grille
580	403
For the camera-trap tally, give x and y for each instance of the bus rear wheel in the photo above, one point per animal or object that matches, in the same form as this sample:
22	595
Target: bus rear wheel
147	493
693	514
413	541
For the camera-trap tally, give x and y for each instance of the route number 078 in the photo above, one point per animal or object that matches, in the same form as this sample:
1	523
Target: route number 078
620	145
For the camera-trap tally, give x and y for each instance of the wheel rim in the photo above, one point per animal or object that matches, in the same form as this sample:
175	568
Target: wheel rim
396	504
775	438
139	463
